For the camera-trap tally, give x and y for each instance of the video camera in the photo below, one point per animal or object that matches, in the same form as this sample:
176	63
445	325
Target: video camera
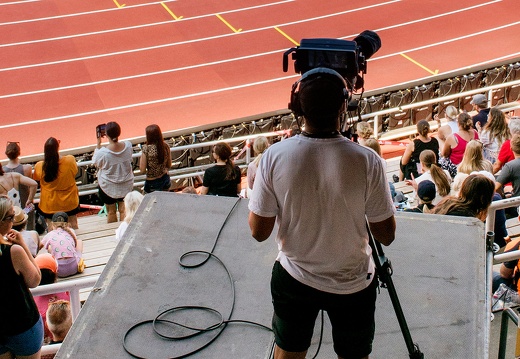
348	58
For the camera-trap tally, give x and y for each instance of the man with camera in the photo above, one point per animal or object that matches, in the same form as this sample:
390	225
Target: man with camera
322	189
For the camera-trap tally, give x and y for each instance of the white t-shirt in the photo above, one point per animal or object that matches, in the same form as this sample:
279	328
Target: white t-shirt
320	190
115	174
428	176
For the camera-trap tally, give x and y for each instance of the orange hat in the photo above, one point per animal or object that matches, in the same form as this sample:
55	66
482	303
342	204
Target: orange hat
46	261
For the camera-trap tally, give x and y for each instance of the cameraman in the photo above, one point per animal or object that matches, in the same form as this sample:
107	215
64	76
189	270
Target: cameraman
322	188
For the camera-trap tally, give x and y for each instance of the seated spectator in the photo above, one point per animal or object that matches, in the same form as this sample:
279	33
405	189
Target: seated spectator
410	164
451	125
64	246
511	170
506	153
493	134
455	145
189	190
10	184
259	146
510	270
49	269
224	178
480	104
432	172
13	151
473	160
374	144
426	192
364	131
59	320
31	238
132	201
474	199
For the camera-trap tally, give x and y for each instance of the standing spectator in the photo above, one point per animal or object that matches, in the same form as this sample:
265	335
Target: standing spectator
493	134
115	174
156	160
456	143
57	177
223	179
259	146
480	104
31	238
21	326
49	269
64	246
506	153
410	164
451	125
12	151
132	201
475	196
324	259
431	171
59	320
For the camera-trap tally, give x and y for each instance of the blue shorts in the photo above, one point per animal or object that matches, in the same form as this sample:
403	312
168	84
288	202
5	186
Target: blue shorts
297	305
162	183
24	344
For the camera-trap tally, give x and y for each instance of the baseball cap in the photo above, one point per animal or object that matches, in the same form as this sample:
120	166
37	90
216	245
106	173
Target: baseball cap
46	261
60	217
478	99
426	191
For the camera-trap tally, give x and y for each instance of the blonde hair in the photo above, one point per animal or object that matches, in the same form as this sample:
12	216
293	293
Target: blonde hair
373	144
364	130
59	318
132	201
259	146
473	159
451	112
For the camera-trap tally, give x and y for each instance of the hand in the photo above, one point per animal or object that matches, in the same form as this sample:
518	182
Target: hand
15	237
478	126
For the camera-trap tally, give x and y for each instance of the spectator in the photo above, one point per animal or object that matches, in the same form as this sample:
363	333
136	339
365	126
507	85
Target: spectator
480	104
156	160
57	177
364	132
189	190
64	246
12	151
473	200
10	185
473	159
49	269
31	238
426	192
374	144
432	172
511	170
132	201
410	164
223	179
506	154
59	320
324	259
510	270
451	125
259	146
21	326
456	143
493	134
115	174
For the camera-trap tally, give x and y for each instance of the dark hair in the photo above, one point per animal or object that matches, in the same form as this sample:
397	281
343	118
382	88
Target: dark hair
48	276
51	159
475	196
465	122
223	150
154	137
321	100
12	150
113	131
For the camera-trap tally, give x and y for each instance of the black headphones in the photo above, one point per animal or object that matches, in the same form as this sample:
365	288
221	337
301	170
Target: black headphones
295	105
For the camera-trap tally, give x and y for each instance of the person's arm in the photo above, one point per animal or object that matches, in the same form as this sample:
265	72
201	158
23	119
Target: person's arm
31	184
384	231
506	272
23	261
168	156
142	162
203	190
407	154
261	227
446	149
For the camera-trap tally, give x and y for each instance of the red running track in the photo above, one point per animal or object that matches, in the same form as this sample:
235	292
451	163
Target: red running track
67	66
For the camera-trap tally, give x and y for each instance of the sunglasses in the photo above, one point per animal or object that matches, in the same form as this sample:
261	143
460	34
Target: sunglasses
8	218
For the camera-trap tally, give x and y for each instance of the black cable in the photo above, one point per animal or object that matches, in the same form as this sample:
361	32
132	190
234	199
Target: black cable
221	323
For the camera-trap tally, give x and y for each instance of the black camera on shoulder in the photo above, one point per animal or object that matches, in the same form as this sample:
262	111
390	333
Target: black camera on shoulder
348	58
101	130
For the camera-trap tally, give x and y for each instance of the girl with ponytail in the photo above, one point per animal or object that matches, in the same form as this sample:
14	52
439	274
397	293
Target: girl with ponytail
224	178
